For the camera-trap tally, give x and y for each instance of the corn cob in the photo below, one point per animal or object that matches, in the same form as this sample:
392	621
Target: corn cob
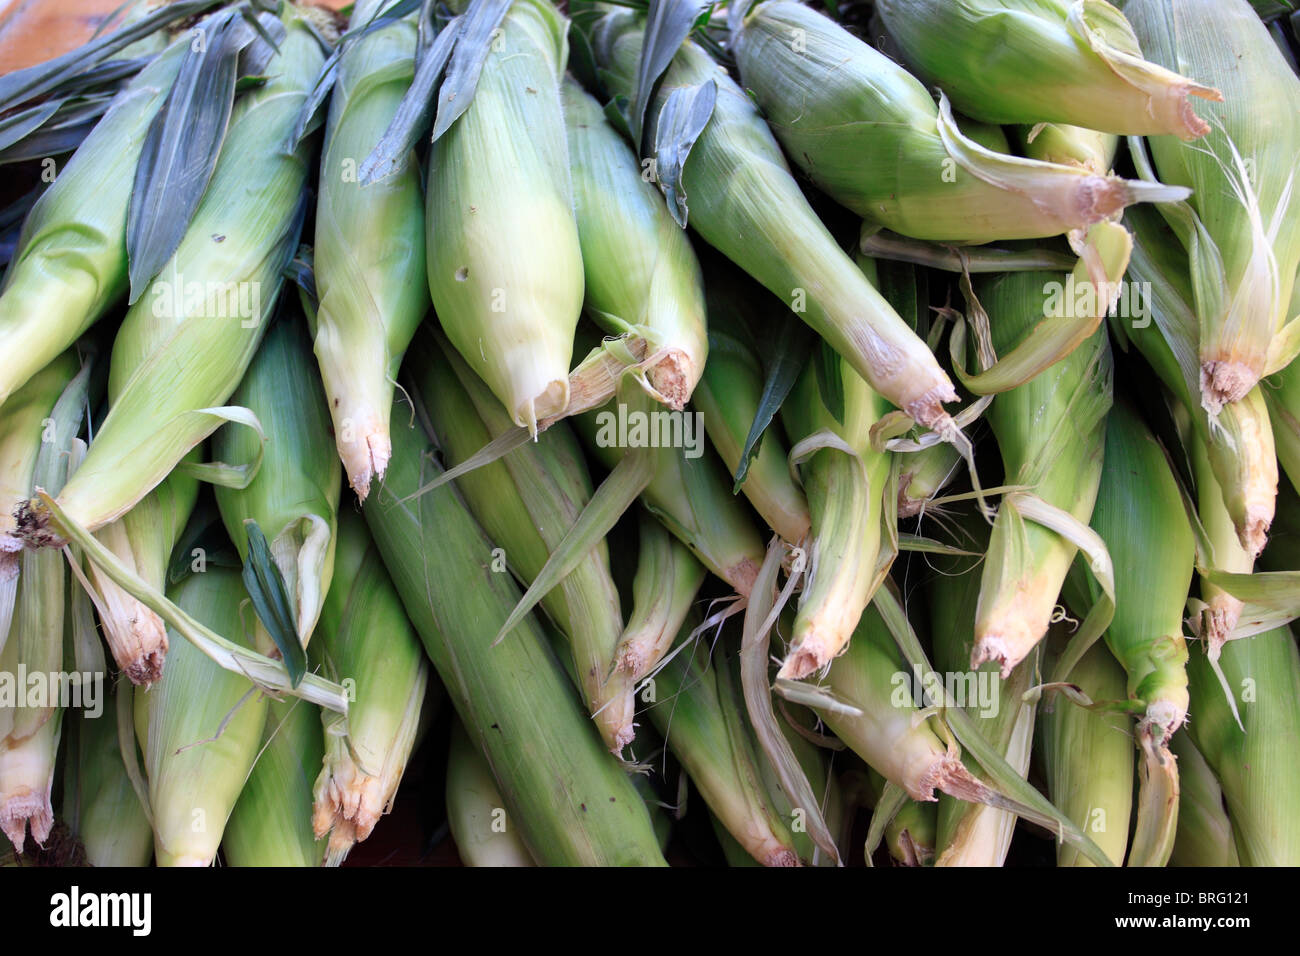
1139	502
527	502
1051	434
22	427
110	821
871	676
1087	755
1239	441
1205	835
1240	228
509	305
569	798
729	396
663	589
479	824
370	248
270	824
70	265
844	479
200	728
31	722
184	346
641	274
363	635
294	498
1070	146
1045	61
867	133
1252	761
745	203
699	710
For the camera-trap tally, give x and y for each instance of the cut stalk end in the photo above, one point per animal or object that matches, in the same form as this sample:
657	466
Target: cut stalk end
26	807
365	456
1223	382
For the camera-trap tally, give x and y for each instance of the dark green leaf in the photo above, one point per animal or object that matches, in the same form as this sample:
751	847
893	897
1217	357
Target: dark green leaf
830	381
482	20
681	121
668	23
203	540
789	354
414	113
181	148
24	85
266	588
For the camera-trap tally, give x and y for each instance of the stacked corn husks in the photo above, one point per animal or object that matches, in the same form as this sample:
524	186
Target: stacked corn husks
479	400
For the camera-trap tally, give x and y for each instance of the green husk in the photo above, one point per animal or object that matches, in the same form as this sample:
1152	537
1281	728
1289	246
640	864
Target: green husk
889	732
1205	835
1282	393
1051	435
1052	61
745	203
369	247
971	834
663	590
479	824
567	795
641	274
200	727
923	475
688	494
1254	762
1070	146
70	265
699	709
364	636
1240	230
1087	755
528	502
294	498
1139	503
22	427
271	822
844	478
110	822
508	300
729	397
30	727
912	833
1240	439
182	350
867	132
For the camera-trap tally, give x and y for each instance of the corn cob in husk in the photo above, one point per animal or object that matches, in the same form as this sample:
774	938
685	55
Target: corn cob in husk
370	248
868	133
1046	61
499	181
364	636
